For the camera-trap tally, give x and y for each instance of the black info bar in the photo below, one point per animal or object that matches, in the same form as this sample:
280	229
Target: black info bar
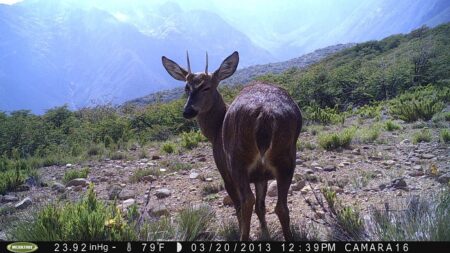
223	247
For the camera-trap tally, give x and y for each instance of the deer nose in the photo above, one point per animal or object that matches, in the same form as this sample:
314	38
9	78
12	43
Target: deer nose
189	112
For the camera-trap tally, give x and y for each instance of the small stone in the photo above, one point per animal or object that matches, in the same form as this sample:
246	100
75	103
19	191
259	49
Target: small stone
8	198
319	214
416	174
126	194
427	156
382	187
78	188
69	165
315	164
209	179
405	142
399	183
329	168
158	210
162	170
127	203
148	178
162	193
356	151
227	201
26	202
78	181
194	175
202	159
156	157
306	189
298	185
58	187
298	162
389	162
309	171
417	167
444	178
272	190
366	147
22	188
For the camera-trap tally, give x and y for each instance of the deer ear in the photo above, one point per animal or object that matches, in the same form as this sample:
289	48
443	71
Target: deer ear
174	69
228	67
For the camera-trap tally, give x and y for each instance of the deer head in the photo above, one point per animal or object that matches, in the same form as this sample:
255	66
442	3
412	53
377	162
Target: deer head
201	88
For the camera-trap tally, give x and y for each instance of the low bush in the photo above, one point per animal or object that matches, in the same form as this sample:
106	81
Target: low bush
423	135
74	173
445	135
390	126
331	141
168	147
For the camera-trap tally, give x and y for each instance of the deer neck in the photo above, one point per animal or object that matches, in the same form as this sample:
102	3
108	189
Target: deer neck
211	121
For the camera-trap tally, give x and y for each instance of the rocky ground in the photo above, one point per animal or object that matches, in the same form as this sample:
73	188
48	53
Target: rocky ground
391	169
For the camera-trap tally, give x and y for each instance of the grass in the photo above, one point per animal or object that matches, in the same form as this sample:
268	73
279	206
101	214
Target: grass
390	126
194	223
422	219
325	116
305	145
168	147
331	141
229	231
118	155
12	174
74	173
423	135
212	188
368	135
86	220
95	150
140	173
176	165
445	135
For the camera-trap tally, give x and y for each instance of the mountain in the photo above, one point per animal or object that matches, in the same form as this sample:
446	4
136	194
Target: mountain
56	52
247	74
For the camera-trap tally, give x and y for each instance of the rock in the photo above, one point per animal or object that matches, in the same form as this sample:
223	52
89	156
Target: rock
127	203
329	168
148	178
162	193
78	181
444	178
306	189
156	157
382	187
416	174
298	185
272	190
126	194
314	164
298	161
202	159
194	175
417	167
399	183
69	165
22	188
389	162
209	179
114	192
318	168
356	151
26	202
427	156
405	142
8	198
319	214
158	210
227	201
78	188
162	170
58	187
309	171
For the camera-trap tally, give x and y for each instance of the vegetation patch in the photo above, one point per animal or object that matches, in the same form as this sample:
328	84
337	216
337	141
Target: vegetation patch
332	141
423	135
74	173
390	126
139	174
445	135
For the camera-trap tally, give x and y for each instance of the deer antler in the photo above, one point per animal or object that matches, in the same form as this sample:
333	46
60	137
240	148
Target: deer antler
206	68
188	63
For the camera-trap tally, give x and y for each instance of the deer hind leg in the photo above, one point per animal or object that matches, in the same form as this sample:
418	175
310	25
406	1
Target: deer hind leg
284	180
260	208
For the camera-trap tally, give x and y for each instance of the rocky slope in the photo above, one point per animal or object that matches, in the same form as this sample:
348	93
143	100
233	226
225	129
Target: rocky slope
392	169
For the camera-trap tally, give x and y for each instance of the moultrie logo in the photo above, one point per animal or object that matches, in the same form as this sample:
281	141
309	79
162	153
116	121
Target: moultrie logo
22	247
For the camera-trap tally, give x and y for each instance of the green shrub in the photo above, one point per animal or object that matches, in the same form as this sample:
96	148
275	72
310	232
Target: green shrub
95	150
445	135
168	147
13	174
305	145
423	135
369	112
331	141
86	220
315	114
391	126
229	231
190	140
442	116
212	188
74	173
176	165
421	104
118	155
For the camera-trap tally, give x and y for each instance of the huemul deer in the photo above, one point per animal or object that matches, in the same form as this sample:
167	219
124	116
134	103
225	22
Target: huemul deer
253	139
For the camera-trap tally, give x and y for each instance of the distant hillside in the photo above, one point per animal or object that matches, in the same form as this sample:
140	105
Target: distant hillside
245	75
